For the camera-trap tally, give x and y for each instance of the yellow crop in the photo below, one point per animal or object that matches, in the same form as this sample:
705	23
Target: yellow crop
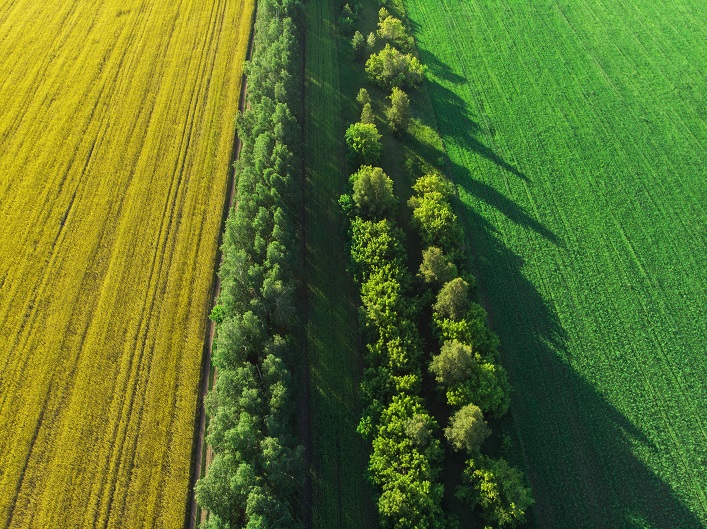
116	129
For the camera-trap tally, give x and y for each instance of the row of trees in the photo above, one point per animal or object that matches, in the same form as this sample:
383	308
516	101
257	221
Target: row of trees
254	478
466	367
406	456
465	364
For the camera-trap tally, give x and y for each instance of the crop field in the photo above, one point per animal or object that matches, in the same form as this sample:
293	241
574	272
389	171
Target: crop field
340	496
577	132
116	132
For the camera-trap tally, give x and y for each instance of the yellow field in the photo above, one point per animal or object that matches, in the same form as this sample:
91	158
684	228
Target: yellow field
116	129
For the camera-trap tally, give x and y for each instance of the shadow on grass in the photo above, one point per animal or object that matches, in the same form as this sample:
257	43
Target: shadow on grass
576	447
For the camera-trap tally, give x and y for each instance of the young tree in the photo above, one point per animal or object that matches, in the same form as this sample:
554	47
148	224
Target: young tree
367	115
364	143
498	488
363	97
371	42
399	112
372	192
435	267
453	299
390	67
467	429
358	43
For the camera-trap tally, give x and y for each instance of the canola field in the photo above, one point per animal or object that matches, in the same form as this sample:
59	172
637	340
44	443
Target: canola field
577	133
116	137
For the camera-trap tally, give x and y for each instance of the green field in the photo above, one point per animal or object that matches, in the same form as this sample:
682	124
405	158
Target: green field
340	496
577	134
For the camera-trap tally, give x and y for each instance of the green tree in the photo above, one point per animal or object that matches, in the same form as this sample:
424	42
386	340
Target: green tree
453	299
372	192
358	43
371	42
390	67
498	488
391	29
453	364
435	267
467	429
367	115
363	97
399	112
364	143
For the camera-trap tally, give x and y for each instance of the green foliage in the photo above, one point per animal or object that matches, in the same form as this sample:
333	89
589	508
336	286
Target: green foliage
435	268
363	97
467	429
358	43
404	464
453	299
391	68
454	363
433	216
372	192
499	490
367	115
364	143
399	112
370	42
391	30
254	477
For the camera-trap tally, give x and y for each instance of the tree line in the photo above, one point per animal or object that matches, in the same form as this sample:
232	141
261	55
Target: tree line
254	478
407	454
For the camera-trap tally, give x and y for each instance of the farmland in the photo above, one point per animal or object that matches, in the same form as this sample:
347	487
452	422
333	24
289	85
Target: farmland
577	137
339	495
116	126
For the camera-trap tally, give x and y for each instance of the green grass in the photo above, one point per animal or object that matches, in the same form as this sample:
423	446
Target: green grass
577	135
340	495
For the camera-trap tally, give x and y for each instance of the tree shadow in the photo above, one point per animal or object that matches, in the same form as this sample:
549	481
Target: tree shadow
577	448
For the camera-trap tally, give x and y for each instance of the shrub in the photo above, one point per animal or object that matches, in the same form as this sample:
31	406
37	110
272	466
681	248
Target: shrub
399	112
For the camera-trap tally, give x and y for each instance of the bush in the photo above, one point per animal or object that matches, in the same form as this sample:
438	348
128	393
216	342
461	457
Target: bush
364	143
391	68
363	97
367	115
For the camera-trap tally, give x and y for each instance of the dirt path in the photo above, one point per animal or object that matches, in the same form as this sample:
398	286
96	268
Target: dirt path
201	458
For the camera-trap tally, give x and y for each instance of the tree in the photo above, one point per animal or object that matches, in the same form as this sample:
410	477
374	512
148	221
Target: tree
358	43
399	112
372	192
467	429
391	29
363	97
435	267
367	115
498	488
390	67
453	299
364	143
371	42
453	364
